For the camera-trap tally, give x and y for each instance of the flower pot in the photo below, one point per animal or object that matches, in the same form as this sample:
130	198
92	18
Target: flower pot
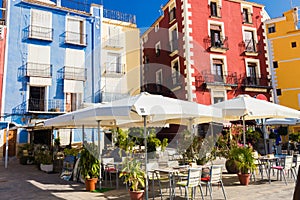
137	195
46	167
90	184
231	167
244	179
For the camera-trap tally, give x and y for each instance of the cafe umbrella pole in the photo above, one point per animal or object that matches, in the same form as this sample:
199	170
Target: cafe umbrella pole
145	143
99	154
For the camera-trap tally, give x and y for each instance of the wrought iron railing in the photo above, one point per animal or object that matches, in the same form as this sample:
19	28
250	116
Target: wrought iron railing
222	43
173	45
114	68
38	70
40	32
75	73
75	38
225	78
250	46
258	81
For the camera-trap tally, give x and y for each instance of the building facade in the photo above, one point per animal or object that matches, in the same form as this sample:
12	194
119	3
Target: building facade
54	63
283	43
207	51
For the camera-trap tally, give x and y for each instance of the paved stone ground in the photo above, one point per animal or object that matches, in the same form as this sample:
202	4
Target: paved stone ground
27	182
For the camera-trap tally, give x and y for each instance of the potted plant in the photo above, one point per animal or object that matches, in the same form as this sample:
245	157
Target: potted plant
135	176
47	161
245	162
89	166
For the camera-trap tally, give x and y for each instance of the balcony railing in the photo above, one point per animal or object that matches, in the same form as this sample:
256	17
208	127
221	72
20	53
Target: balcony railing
75	73
114	68
109	96
38	70
250	46
228	78
75	38
256	81
216	45
40	105
40	32
117	15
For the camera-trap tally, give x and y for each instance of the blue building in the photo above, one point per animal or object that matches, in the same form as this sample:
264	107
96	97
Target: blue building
51	64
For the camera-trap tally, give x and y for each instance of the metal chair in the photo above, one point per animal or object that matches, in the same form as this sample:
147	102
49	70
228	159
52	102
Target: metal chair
215	177
193	181
286	166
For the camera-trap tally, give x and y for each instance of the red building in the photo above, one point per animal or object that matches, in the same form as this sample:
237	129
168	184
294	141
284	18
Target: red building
2	55
207	51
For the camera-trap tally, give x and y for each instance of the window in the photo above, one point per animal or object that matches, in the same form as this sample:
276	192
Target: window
217	70
247	16
73	101
252	74
250	43
214	9
173	34
218	96
294	44
113	36
40	25
175	72
215	33
271	28
278	92
74	65
113	64
159	80
275	64
75	31
38	61
37	98
172	12
157	49
156	27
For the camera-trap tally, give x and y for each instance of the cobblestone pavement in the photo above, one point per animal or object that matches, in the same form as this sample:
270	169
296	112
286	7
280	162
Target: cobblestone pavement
27	182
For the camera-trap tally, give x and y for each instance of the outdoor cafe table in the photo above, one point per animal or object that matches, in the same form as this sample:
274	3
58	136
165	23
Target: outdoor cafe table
116	169
269	161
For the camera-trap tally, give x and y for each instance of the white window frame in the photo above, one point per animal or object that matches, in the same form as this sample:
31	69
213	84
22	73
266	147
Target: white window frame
157	48
82	34
212	22
176	60
252	60
157	74
250	11
218	57
214	92
219	2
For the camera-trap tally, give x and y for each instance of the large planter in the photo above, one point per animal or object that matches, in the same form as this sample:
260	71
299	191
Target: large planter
231	167
90	184
136	195
244	179
46	167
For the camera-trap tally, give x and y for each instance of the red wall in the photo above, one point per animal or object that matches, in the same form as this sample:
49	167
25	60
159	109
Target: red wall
2	57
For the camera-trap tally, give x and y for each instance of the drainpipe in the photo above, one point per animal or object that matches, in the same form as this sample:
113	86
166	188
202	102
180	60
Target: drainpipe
92	53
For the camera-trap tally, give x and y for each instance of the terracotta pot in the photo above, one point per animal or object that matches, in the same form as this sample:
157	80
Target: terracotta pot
244	179
137	195
90	184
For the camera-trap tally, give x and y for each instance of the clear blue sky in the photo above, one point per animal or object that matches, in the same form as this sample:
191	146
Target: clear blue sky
148	11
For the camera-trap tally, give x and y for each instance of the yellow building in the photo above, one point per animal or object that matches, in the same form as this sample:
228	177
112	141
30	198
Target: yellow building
120	55
284	56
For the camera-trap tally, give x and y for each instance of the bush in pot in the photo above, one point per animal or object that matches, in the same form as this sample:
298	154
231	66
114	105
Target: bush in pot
89	166
245	162
135	176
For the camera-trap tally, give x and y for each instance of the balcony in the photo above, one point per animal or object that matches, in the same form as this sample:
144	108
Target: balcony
119	16
219	46
40	105
255	83
40	33
112	43
250	47
38	70
75	38
173	47
114	69
74	73
109	96
226	79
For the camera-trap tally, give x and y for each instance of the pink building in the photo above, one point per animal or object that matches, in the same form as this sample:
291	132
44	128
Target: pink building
207	51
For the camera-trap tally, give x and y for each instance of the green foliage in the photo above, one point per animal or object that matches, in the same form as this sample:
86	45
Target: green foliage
283	130
253	136
28	147
89	163
42	155
133	174
72	151
295	137
124	142
244	158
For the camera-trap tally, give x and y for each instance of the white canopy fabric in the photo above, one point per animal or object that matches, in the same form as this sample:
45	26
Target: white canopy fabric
129	111
248	108
282	121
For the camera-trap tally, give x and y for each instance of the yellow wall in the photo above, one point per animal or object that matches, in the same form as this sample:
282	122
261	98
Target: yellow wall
288	72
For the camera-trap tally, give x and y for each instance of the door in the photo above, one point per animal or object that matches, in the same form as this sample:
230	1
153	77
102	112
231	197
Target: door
37	99
12	140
